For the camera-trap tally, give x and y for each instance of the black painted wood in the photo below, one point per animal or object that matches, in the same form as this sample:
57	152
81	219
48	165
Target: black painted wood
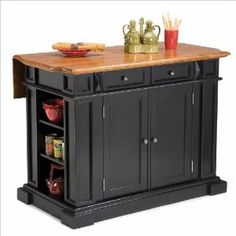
196	130
85	160
171	121
83	84
32	137
172	73
209	68
30	74
121	79
55	81
51	124
125	156
66	83
84	216
109	170
53	159
208	128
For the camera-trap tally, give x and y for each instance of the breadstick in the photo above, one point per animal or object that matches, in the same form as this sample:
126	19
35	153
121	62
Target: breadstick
163	18
92	46
179	24
169	21
78	46
62	46
175	24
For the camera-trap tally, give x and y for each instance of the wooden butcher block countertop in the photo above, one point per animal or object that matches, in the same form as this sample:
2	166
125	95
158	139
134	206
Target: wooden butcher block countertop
113	58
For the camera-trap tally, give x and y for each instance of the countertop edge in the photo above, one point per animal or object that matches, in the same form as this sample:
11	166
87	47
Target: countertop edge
98	69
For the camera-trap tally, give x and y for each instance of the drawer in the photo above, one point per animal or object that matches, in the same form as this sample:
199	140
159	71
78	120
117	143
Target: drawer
172	73
121	79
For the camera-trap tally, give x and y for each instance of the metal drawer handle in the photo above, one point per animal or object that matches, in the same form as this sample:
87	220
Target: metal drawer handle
145	141
125	78
171	73
154	140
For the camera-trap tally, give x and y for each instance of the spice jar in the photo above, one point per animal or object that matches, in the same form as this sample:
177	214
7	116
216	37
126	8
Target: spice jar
58	151
49	144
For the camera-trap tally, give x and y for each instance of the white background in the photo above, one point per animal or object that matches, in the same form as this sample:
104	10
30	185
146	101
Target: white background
33	26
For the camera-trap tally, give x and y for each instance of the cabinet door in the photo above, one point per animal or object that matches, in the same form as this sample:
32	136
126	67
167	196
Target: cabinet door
125	155
171	109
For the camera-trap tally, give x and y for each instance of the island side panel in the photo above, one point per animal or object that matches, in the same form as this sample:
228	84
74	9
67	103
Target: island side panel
209	127
32	139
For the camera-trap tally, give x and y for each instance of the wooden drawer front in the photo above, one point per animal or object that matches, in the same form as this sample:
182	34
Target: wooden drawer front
171	73
115	80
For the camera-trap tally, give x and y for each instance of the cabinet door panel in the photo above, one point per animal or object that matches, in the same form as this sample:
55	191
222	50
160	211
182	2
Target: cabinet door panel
171	125
125	157
84	142
209	125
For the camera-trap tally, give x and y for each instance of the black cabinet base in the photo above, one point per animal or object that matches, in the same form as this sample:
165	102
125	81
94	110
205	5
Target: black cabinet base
84	216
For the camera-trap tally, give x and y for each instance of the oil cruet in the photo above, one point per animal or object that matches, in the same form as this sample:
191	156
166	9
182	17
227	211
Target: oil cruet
132	37
149	37
142	41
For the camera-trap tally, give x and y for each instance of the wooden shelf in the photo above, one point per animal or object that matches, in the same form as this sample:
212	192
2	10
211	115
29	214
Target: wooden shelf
53	159
51	124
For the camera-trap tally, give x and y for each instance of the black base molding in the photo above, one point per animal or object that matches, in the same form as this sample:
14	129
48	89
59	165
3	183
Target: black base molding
84	216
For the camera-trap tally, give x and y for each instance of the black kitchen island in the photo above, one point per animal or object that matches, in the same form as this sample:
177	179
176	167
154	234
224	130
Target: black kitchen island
139	129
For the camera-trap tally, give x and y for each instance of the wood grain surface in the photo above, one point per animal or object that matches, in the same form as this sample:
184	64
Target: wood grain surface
113	58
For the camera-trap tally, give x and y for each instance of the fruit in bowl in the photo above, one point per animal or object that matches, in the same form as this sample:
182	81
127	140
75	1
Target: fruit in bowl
54	109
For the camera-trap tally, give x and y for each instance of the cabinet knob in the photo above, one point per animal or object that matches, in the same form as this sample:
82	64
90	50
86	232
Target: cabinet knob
171	73
145	141
124	78
154	140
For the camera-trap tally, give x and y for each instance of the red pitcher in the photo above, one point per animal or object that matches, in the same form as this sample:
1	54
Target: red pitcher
55	185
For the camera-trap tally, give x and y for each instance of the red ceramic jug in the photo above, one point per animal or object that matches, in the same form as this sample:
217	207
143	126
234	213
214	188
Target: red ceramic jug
55	185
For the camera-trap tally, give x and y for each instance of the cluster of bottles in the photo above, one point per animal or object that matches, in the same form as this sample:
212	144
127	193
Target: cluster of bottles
142	41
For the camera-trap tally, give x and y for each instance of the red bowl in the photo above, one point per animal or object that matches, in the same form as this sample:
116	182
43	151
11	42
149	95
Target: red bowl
75	53
54	109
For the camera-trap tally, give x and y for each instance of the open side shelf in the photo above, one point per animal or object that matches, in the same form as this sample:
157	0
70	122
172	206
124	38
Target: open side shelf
53	159
56	126
46	162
